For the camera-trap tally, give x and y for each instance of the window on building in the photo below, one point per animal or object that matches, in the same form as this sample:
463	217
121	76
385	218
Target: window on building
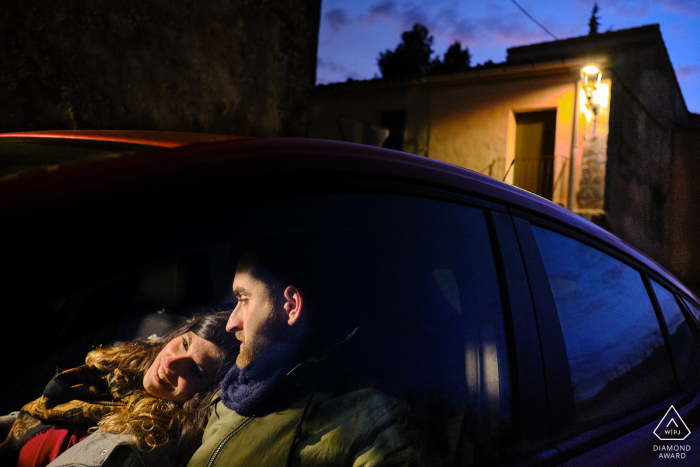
396	123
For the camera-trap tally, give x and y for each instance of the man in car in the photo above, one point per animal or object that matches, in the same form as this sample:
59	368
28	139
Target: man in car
294	396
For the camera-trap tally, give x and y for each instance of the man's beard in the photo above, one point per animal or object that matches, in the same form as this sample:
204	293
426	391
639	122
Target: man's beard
273	330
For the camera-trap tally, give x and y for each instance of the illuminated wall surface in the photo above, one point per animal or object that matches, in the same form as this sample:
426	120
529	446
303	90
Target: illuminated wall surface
474	126
593	144
635	159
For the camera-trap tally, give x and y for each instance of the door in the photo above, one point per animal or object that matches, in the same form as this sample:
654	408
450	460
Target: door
534	151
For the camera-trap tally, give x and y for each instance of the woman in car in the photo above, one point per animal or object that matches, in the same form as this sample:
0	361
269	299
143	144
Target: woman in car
142	401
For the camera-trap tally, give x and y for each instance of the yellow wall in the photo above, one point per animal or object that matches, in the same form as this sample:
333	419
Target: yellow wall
474	126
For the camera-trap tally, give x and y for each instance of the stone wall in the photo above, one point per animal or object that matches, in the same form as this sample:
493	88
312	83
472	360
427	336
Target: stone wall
685	219
645	109
220	66
591	191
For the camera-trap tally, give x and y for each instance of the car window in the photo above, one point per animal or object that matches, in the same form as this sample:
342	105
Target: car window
616	352
416	277
679	332
693	309
420	277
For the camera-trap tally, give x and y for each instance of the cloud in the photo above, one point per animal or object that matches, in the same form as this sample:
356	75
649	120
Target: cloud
330	71
337	19
383	10
381	13
486	31
455	28
449	24
413	15
687	71
515	32
403	18
624	8
691	7
641	8
444	23
330	66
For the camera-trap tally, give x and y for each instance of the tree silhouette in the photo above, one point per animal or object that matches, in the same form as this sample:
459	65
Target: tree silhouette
594	22
411	58
454	60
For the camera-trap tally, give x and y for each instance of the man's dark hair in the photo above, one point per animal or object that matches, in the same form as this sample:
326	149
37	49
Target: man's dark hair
261	271
311	262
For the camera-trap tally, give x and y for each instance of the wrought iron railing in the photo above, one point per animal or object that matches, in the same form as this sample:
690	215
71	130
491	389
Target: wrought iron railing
539	175
535	174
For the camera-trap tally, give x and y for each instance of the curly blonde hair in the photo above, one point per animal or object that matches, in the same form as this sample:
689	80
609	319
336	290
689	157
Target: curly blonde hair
150	420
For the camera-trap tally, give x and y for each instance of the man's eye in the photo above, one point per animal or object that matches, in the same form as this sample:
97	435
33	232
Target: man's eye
184	343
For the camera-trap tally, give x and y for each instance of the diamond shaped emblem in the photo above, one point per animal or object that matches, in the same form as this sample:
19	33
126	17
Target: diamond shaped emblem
672	427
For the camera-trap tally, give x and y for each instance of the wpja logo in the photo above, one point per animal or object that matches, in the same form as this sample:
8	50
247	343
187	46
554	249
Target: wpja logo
672	428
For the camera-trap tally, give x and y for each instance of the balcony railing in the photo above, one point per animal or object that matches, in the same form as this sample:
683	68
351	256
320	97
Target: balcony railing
539	175
535	175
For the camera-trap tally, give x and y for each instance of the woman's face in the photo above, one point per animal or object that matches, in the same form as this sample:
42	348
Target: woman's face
182	368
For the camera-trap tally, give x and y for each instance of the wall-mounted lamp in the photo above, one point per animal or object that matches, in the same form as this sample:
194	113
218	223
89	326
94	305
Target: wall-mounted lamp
590	79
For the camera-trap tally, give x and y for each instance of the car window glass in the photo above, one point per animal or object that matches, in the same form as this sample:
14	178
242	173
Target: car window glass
693	308
680	335
419	276
616	352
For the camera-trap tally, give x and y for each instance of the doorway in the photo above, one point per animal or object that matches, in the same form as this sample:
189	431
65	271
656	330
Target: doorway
534	151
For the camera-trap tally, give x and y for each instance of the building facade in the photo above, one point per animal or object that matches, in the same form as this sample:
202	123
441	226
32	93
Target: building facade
601	142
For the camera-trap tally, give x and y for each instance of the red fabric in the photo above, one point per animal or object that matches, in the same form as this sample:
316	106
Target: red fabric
43	448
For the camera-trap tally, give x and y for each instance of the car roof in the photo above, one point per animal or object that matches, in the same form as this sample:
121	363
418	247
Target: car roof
181	159
169	139
43	151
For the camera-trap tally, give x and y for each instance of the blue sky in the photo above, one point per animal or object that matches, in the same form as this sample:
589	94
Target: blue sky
353	32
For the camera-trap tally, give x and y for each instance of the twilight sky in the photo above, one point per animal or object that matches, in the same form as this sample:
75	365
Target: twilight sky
353	32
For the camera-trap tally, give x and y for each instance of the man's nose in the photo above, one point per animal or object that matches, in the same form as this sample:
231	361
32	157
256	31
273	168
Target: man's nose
234	323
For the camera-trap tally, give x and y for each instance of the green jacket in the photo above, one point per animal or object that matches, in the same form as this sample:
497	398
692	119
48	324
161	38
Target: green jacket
364	427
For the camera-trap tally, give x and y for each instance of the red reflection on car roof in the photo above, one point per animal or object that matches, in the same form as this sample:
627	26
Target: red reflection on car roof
165	139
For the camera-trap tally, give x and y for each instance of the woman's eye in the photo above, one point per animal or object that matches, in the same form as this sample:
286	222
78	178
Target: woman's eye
184	343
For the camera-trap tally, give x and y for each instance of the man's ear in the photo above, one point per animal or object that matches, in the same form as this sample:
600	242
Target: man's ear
293	302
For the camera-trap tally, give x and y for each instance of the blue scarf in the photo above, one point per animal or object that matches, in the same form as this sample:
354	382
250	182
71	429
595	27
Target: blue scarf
247	390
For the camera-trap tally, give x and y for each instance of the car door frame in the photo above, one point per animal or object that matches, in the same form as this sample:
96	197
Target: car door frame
531	421
571	442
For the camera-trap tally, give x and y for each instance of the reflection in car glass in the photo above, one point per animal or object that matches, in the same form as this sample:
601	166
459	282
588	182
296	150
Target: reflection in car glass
616	352
693	309
680	335
418	278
